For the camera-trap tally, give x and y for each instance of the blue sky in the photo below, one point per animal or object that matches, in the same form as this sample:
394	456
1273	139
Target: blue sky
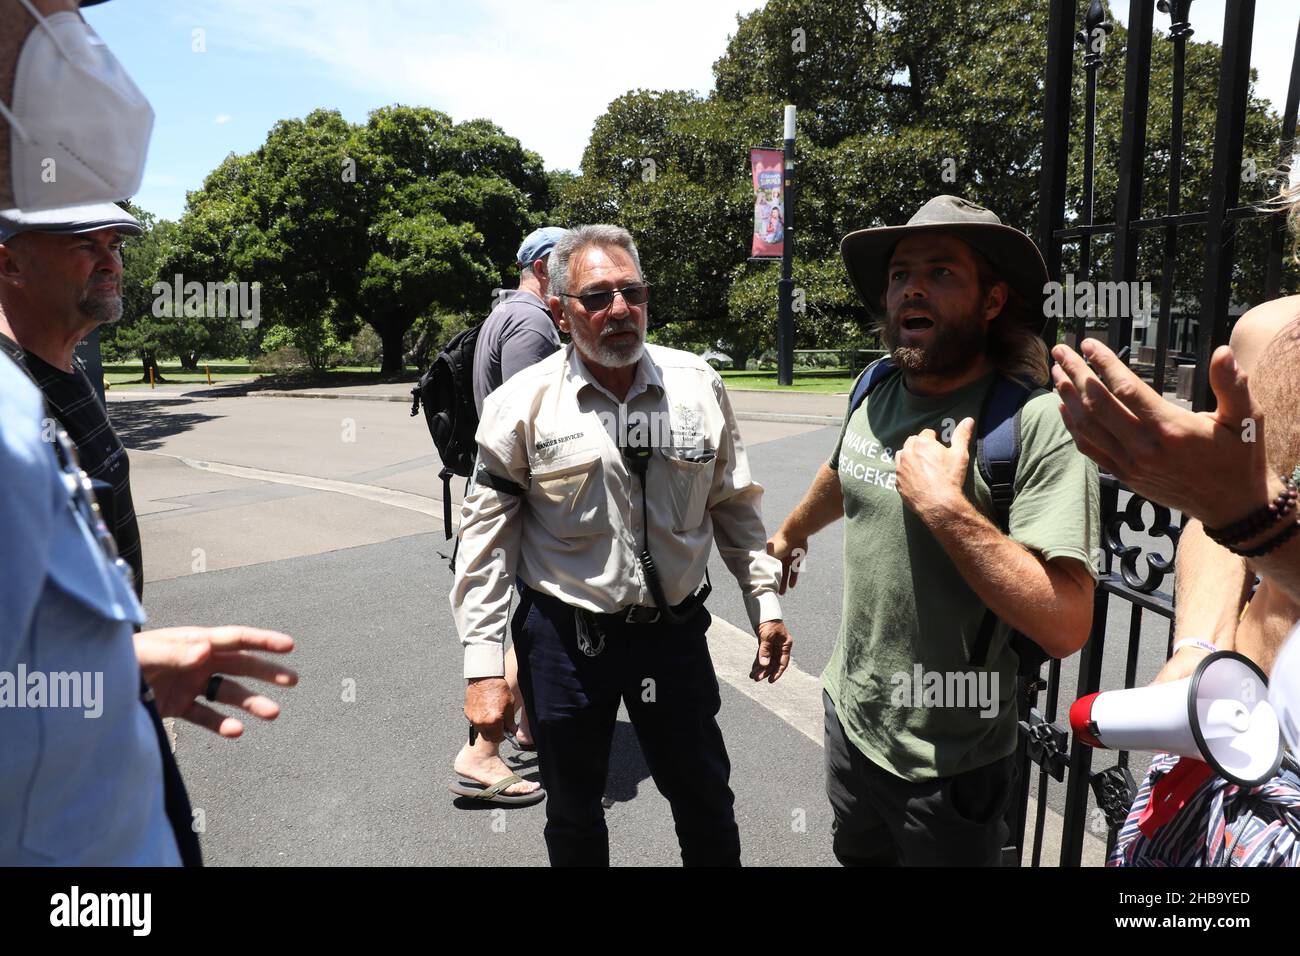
543	72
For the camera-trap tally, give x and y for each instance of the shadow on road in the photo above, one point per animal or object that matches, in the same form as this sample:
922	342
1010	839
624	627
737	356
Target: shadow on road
144	424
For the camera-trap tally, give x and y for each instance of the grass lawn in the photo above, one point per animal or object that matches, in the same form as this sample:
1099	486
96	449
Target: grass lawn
127	374
821	380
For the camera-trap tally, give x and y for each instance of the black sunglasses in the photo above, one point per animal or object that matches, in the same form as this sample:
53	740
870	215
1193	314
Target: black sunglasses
595	302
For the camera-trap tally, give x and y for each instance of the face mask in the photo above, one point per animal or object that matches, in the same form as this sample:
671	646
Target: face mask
79	127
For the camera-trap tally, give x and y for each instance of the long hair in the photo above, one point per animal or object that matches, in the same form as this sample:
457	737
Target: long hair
1016	349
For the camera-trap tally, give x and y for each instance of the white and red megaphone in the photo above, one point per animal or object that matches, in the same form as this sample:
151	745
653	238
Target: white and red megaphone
1221	714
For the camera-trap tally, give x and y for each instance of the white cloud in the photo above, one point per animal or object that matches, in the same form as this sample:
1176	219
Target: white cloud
223	119
544	74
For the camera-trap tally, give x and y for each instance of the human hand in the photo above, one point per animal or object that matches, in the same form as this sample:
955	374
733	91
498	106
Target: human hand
773	657
489	707
790	551
178	662
929	476
1210	465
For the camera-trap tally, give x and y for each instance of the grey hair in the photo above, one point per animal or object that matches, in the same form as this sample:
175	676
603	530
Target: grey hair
575	240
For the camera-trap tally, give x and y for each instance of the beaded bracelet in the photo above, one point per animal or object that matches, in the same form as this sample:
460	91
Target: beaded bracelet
1257	521
1272	544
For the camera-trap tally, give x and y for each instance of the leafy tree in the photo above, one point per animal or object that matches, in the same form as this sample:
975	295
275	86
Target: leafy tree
378	223
898	101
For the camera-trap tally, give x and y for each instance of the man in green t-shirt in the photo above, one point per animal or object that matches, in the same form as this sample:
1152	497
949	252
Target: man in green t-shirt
919	738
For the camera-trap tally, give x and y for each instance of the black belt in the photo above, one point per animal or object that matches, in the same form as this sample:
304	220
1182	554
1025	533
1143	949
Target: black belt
640	614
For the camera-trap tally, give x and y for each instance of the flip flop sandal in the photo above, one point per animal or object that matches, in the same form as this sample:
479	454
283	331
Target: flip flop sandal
493	794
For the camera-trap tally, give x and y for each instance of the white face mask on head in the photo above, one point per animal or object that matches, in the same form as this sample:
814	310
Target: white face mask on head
78	126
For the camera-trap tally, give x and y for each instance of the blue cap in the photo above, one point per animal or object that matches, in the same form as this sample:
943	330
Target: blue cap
538	244
69	220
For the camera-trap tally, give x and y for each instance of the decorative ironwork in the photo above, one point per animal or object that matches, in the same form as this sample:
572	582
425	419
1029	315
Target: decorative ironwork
1178	11
1161	527
1093	35
1045	744
1115	791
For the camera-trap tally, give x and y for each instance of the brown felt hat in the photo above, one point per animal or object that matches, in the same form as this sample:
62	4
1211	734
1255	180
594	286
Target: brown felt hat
866	252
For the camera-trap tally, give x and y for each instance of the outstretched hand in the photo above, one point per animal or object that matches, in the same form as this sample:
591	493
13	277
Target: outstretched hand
1210	465
178	662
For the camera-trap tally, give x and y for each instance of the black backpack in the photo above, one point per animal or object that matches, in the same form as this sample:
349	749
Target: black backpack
447	393
997	452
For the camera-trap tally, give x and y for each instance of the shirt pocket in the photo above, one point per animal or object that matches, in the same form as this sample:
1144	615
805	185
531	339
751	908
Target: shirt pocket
689	481
568	495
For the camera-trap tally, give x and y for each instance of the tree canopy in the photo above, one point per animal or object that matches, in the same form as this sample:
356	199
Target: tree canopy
898	101
379	223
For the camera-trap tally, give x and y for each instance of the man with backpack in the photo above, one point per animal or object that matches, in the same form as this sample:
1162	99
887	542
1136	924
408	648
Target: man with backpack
518	333
971	521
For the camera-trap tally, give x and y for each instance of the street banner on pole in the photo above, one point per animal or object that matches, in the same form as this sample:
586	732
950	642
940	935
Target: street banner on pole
769	203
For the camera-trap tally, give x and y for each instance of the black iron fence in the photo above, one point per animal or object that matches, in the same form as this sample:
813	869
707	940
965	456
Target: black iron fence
1133	563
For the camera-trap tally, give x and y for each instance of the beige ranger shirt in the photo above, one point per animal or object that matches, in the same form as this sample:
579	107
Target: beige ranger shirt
576	530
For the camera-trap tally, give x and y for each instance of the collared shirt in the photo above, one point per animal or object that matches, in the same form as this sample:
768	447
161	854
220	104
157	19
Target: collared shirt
520	332
81	774
576	530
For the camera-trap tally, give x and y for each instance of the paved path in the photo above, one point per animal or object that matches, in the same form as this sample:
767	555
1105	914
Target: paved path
323	518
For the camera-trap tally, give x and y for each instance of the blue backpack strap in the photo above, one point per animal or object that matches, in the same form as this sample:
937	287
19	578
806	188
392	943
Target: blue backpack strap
875	373
997	454
997	450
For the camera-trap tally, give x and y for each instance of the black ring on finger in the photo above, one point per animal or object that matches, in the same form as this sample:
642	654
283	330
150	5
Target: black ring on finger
214	684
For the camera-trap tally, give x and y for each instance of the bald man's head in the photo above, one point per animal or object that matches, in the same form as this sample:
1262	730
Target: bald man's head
1275	383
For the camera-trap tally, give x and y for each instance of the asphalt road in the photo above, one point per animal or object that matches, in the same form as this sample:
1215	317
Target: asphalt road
318	518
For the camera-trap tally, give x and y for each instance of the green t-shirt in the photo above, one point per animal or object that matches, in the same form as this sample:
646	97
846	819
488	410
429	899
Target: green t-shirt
900	674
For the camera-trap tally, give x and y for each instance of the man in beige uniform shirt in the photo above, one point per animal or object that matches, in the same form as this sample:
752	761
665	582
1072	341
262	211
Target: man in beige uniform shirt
605	471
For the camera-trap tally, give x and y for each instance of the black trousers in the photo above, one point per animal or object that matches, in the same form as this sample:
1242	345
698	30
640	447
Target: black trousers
884	820
664	674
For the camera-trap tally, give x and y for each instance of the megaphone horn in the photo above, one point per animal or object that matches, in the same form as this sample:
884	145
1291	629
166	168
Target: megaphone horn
1220	714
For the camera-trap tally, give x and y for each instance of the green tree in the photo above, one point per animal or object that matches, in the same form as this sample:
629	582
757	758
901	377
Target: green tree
379	223
898	101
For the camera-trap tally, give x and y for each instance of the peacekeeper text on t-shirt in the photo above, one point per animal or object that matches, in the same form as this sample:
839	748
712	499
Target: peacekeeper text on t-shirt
900	674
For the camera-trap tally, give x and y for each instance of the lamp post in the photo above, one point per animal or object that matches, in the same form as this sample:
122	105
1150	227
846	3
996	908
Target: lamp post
785	287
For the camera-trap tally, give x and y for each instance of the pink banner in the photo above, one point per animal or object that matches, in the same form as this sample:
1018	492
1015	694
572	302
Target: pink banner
769	203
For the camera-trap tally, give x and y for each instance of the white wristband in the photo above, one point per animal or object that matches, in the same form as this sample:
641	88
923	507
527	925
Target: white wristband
1193	642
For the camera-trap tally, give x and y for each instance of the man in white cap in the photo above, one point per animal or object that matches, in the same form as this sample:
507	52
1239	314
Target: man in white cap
943	562
60	278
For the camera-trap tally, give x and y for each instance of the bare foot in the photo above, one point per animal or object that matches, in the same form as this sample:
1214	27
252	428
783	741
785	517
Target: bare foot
473	763
523	734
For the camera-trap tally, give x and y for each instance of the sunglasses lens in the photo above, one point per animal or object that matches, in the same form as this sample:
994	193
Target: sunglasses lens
636	295
597	301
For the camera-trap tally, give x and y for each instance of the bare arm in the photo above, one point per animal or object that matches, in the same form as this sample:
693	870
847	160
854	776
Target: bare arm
1048	601
822	505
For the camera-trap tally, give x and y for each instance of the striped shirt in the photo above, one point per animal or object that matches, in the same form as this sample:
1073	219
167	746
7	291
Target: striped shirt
71	398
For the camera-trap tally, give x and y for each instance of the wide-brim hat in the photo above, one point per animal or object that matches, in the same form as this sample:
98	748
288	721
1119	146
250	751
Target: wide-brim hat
1015	256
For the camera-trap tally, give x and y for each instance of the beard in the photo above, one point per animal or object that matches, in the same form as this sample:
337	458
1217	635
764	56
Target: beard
102	308
957	343
598	348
